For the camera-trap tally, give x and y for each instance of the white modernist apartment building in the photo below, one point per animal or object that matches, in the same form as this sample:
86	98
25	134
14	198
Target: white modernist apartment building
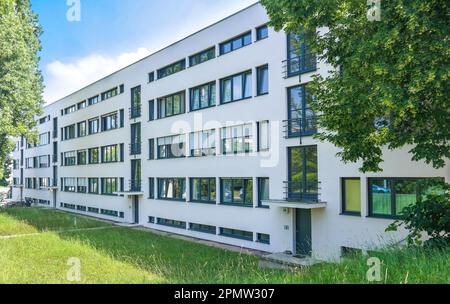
212	137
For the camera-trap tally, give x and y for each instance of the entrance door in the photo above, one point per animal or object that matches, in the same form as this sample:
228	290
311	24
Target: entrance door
303	240
136	209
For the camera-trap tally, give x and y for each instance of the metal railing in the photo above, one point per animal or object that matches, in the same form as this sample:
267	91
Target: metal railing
135	148
135	185
300	65
305	192
299	127
135	112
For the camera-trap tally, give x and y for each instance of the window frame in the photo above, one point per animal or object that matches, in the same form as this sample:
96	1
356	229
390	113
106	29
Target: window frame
168	148
161	75
242	37
344	200
212	98
258	78
226	135
168	180
231	78
166	101
259	37
243	184
212	199
198	55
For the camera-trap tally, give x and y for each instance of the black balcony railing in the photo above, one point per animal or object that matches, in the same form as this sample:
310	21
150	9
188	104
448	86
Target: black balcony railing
135	148
135	112
135	185
300	127
300	65
305	192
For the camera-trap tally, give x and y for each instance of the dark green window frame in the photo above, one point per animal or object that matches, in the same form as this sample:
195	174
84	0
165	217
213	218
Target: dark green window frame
235	43
109	185
94	156
178	189
263	238
237	139
171	223
93	100
70	158
172	105
172	69
81	129
262	80
109	94
246	198
81	157
82	185
93	126
110	122
262	32
199	101
93	187
171	147
391	190
110	154
237	234
93	210
236	87
202	56
262	186
200	186
69	132
151	188
344	197
203	228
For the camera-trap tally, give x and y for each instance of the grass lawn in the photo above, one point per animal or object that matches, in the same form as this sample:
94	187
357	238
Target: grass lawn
124	255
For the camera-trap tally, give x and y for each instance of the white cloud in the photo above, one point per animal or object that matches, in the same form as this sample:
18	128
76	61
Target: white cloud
64	78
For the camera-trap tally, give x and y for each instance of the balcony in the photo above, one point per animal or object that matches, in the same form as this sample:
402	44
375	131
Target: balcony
135	148
307	191
299	195
135	186
300	127
300	65
135	112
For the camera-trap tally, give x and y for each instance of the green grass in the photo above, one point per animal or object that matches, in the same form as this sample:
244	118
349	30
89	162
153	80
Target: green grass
123	255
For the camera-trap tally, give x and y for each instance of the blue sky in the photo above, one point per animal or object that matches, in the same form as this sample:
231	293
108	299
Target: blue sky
114	33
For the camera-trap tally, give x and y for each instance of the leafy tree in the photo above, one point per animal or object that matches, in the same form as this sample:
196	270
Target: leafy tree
430	215
389	87
6	173
20	79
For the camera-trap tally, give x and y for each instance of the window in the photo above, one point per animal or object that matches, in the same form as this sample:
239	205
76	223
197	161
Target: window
70	158
93	126
93	100
93	185
236	87
70	184
81	157
235	43
262	32
70	110
109	122
263	136
351	196
109	186
203	96
81	129
121	88
237	139
29	163
93	210
237	191
202	56
135	110
303	183
300	59
202	228
203	190
171	105
263	238
110	154
262	80
172	147
203	143
109	213
172	189
44	161
16	164
44	139
81	208
172	69
151	149
44	182
237	234
301	117
151	110
263	191
151	188
93	156
172	223
81	105
82	184
389	196
69	132
109	94
151	77
151	219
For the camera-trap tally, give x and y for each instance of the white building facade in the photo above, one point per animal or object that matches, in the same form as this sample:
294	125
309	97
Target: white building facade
212	137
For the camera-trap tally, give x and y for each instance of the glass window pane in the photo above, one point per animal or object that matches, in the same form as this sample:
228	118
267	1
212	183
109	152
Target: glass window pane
381	196
237	87
248	85
226	87
352	195
227	191
405	194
